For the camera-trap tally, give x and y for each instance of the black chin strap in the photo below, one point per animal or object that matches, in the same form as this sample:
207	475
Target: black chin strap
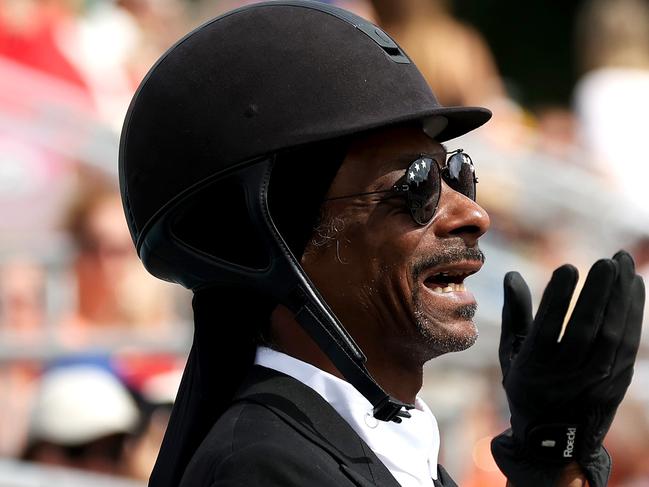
351	363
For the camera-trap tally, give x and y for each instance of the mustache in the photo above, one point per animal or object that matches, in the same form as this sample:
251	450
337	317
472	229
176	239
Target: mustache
446	256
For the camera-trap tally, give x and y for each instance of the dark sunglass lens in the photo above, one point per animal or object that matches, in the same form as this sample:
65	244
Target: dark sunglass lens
423	192
461	176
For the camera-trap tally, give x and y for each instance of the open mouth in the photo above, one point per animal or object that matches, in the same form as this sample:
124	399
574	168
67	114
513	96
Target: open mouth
451	278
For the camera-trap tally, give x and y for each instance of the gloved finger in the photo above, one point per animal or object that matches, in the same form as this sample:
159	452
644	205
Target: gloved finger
516	318
588	313
615	321
552	310
626	354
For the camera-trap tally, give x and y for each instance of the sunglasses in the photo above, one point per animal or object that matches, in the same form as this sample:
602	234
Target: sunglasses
422	183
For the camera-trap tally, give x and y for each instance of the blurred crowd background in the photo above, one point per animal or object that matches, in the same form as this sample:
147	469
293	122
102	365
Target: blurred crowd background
92	348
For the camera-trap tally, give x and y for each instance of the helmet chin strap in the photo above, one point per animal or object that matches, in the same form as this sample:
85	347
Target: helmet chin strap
334	341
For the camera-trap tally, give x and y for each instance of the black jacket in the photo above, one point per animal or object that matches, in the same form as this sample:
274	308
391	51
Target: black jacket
279	432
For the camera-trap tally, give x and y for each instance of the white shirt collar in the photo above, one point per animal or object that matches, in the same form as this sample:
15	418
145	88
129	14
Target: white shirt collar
409	450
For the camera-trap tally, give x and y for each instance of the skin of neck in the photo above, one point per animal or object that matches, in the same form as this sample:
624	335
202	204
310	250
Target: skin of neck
401	380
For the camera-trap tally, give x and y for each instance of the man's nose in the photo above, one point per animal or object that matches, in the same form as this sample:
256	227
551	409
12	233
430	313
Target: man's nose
459	216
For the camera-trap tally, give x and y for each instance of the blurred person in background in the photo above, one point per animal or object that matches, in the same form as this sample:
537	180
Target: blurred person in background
18	386
640	252
452	55
30	33
611	97
160	22
96	52
101	43
81	418
22	326
112	44
556	134
153	380
482	423
22	300
113	293
629	441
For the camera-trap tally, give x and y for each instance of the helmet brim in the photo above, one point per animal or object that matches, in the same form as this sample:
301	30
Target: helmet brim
438	122
446	123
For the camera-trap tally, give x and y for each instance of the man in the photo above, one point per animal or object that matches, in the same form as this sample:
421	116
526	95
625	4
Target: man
284	161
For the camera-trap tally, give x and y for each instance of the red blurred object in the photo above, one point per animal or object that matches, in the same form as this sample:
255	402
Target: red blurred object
34	44
136	370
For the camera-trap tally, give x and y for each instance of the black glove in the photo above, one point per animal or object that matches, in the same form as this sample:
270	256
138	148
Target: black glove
563	394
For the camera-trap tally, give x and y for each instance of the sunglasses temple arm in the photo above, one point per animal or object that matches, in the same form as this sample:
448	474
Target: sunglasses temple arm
360	194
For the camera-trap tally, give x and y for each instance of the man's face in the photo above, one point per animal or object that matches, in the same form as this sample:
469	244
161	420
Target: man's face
387	278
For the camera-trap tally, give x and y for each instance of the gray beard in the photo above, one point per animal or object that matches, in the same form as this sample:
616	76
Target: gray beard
440	341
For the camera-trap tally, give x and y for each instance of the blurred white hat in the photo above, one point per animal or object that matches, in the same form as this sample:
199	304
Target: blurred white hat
162	388
81	403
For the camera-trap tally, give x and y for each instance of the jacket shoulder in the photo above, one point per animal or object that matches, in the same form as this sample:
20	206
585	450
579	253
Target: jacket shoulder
251	446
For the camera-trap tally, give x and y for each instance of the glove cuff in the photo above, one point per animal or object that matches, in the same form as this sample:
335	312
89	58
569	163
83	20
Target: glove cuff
523	469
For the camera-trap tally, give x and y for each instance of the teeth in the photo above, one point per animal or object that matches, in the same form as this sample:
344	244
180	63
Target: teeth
451	287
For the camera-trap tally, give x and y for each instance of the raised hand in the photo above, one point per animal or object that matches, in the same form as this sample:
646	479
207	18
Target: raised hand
563	391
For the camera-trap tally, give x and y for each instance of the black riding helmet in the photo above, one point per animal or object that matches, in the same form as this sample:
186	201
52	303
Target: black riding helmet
227	151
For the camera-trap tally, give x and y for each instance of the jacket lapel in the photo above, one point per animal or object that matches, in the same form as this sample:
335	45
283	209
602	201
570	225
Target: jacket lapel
308	413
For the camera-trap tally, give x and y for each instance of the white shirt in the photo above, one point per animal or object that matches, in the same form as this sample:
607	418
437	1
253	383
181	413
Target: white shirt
409	449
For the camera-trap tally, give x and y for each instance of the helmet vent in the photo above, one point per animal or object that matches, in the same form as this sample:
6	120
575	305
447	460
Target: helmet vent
384	41
390	47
